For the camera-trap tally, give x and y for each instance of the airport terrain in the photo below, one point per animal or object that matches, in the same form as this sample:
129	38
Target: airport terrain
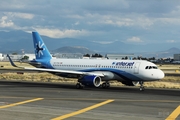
45	101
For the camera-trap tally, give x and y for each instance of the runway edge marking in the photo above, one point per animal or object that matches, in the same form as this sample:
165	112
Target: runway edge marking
174	114
82	110
19	103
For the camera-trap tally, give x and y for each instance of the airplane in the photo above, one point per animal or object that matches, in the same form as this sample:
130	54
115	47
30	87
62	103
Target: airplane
93	72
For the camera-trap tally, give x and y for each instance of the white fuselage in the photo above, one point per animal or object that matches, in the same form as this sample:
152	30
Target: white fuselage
134	70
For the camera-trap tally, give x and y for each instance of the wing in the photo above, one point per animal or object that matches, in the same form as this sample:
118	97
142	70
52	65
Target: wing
55	70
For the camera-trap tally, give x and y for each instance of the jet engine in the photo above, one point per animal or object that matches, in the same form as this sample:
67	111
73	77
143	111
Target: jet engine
90	80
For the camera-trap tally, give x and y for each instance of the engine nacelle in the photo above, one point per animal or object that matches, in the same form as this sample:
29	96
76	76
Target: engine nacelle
90	80
135	83
130	83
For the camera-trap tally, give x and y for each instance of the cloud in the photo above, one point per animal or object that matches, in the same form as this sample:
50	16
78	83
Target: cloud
56	33
23	15
134	39
4	22
130	20
119	22
170	41
15	21
94	20
77	23
105	42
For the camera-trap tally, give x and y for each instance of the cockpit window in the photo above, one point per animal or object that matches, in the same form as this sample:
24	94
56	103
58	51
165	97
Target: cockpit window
154	67
151	67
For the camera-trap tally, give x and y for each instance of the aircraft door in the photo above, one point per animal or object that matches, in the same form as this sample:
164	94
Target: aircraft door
136	68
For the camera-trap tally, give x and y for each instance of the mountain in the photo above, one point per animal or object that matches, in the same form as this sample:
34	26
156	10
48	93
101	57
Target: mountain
15	41
73	49
160	54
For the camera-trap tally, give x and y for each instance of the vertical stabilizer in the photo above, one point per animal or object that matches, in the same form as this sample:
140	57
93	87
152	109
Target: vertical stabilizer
41	50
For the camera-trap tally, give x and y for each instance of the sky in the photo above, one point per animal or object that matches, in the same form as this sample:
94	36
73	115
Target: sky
101	21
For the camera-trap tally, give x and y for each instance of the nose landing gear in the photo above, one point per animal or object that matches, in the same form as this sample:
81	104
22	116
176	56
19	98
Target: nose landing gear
141	88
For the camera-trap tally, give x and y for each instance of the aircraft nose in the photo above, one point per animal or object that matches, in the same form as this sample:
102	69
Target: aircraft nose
160	74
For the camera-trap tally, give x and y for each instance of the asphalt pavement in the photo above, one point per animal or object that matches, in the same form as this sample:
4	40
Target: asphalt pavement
45	101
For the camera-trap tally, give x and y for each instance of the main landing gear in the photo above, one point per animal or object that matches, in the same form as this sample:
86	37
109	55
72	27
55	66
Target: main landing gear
141	88
105	85
79	86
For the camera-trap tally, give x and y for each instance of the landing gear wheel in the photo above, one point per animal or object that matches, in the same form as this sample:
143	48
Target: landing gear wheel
141	86
105	85
79	86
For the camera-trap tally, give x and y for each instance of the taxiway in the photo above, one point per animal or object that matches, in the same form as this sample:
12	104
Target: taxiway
45	101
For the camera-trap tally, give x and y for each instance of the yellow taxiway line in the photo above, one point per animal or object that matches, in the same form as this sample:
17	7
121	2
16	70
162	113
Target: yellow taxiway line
174	114
82	110
19	103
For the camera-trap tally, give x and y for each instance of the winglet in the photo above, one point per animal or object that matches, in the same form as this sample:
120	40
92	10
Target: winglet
12	63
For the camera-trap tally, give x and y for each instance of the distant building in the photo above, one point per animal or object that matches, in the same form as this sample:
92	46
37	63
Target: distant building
1	56
68	55
120	56
176	57
18	57
13	57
